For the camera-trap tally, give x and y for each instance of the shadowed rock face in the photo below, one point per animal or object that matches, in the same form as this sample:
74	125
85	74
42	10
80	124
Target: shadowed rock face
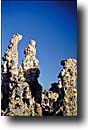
22	95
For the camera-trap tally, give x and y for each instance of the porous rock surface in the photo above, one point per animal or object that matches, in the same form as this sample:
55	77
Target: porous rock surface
22	95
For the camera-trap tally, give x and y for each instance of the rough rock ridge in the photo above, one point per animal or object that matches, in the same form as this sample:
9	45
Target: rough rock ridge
22	95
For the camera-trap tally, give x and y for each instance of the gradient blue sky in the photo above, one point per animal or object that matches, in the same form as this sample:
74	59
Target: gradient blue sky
52	24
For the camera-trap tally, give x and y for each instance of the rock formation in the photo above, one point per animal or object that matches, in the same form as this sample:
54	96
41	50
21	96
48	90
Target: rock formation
9	69
61	98
68	77
22	95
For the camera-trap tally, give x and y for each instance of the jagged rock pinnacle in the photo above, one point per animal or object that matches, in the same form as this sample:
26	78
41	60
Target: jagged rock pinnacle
30	61
15	38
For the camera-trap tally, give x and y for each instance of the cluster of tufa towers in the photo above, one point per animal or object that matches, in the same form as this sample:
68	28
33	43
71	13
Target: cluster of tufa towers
21	93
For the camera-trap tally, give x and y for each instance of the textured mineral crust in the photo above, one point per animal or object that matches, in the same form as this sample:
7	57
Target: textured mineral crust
21	93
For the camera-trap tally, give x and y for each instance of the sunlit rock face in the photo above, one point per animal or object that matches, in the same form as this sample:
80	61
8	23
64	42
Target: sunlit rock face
22	95
30	61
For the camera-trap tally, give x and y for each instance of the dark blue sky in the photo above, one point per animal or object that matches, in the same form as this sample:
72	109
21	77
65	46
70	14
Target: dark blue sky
52	24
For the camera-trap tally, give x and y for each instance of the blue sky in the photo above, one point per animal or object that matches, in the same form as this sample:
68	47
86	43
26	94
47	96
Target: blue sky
52	24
